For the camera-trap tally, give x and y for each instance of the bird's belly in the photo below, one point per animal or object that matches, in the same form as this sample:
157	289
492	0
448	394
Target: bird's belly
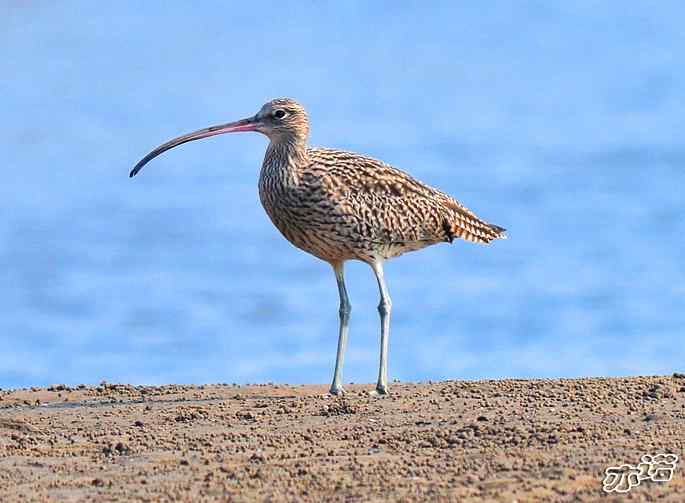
334	240
322	241
390	250
316	233
334	232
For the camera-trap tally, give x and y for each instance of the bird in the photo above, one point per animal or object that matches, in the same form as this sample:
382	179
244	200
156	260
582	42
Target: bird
339	206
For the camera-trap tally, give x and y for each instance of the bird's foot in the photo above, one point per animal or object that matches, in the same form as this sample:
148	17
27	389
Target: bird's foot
380	391
337	390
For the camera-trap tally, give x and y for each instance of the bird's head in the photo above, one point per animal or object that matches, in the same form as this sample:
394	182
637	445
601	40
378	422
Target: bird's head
282	120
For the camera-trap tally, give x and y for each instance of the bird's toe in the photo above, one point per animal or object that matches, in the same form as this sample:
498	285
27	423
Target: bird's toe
337	391
380	391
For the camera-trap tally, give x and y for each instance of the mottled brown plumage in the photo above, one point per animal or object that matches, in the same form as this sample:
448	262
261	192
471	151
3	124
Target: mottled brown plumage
340	205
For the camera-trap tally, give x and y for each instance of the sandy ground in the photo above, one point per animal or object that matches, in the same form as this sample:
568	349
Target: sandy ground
495	441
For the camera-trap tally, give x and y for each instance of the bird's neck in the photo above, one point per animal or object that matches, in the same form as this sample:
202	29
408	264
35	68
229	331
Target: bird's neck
284	161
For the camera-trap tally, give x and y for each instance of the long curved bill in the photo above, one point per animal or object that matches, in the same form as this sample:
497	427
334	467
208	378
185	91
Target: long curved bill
249	124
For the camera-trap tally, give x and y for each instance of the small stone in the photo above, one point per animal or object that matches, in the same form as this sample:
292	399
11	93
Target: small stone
257	458
121	448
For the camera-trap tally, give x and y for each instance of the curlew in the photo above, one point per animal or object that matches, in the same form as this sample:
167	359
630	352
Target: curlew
339	206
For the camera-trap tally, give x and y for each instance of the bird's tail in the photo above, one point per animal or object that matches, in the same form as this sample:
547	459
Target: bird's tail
464	224
501	231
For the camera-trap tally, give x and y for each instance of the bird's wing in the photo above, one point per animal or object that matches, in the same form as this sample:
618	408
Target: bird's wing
390	205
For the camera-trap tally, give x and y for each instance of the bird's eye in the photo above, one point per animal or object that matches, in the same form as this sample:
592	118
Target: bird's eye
279	114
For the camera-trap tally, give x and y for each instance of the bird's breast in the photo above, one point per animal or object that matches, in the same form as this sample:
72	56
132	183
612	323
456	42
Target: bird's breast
308	217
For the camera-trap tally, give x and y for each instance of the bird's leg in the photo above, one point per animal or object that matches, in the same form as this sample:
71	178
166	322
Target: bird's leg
384	308
345	310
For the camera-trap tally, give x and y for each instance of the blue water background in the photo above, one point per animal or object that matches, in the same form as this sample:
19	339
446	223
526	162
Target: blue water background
562	122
